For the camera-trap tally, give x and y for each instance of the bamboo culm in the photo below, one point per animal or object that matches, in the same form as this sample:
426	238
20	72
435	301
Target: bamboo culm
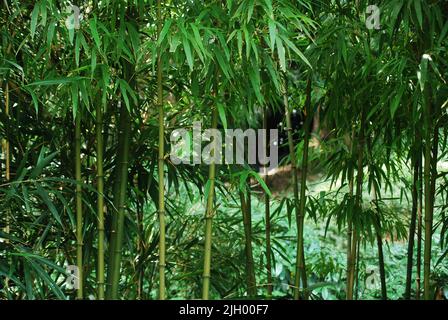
350	219
299	260
79	213
428	197
100	200
301	271
209	218
161	164
358	199
247	225
122	199
412	226
269	286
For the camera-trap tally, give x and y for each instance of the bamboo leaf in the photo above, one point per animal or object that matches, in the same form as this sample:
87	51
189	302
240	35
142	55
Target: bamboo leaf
261	182
418	12
281	54
42	162
94	31
164	31
297	51
34	16
50	32
272	34
77	48
222	115
396	101
187	51
44	196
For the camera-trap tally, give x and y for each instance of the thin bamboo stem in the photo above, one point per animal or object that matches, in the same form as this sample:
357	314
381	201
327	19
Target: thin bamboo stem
412	226
292	155
115	281
359	180
79	213
161	165
269	286
428	197
420	222
209	217
100	200
300	244
7	174
247	224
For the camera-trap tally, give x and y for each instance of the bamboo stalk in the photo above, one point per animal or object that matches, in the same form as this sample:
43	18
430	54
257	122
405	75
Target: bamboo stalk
122	199
7	173
379	239
100	200
209	217
140	239
350	219
358	257
300	252
79	213
161	164
269	286
416	168
250	271
428	197
379	242
420	218
358	198
116	200
299	264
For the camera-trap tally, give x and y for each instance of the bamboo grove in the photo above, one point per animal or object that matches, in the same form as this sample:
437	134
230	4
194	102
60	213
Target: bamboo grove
92	90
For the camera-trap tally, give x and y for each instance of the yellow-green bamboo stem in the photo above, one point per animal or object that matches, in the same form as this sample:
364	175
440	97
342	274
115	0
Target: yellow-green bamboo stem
420	221
247	224
161	164
269	286
299	221
7	173
359	180
79	215
350	220
300	245
122	200
209	217
428	197
100	207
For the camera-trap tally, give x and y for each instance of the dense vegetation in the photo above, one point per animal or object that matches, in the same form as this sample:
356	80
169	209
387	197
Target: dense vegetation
88	105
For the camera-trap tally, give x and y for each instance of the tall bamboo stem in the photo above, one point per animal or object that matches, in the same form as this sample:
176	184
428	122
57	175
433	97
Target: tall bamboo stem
420	222
122	199
379	243
79	214
140	238
300	247
267	212
412	226
247	224
379	239
428	197
100	207
350	219
209	217
292	155
359	180
116	200
7	172
161	164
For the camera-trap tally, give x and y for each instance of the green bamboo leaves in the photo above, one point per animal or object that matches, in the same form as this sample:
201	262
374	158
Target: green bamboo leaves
101	99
